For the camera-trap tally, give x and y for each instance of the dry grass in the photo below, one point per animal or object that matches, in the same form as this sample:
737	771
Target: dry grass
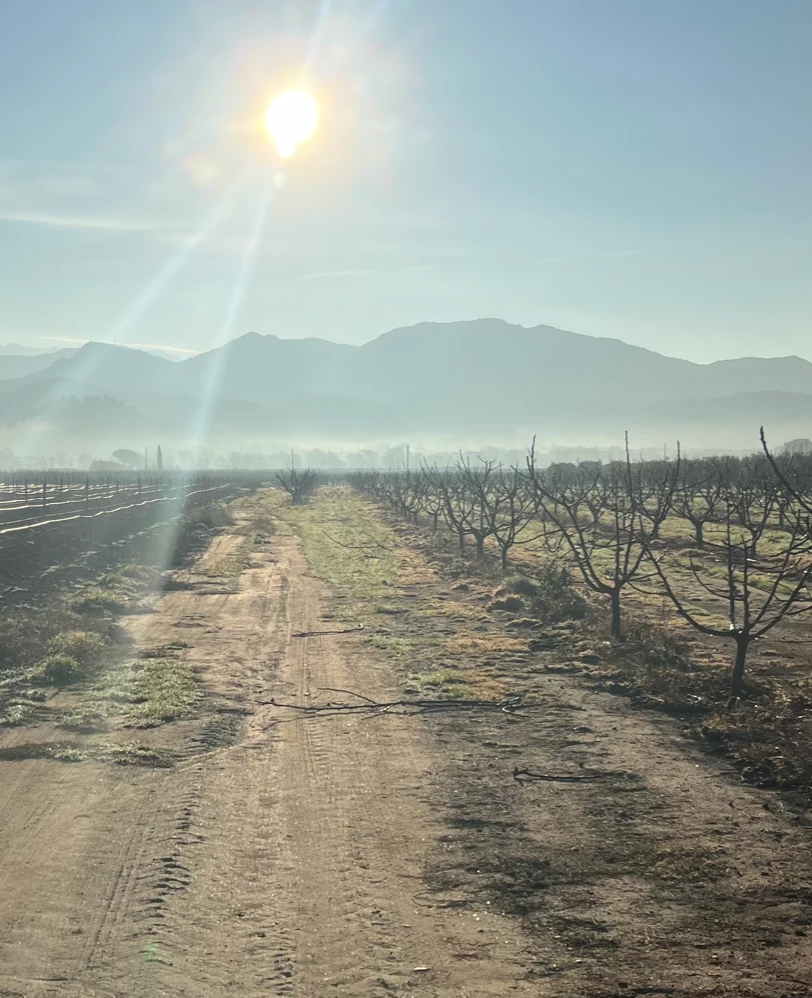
379	579
662	664
128	754
770	738
495	643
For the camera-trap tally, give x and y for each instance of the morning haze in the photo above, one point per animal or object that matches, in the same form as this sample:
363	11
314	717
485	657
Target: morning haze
474	384
405	499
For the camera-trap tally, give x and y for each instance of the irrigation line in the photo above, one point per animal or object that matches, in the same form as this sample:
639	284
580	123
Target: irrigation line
104	512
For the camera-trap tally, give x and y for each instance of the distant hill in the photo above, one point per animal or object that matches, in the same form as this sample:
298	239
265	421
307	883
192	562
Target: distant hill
485	379
18	365
19	350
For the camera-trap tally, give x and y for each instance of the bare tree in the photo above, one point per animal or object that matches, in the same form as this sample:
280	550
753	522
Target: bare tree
656	484
795	480
460	492
510	505
699	496
752	492
299	483
754	596
432	498
596	515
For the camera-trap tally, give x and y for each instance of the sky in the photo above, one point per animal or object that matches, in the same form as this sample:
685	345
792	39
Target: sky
632	169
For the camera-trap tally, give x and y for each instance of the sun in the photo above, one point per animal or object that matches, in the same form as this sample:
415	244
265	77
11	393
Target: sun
291	119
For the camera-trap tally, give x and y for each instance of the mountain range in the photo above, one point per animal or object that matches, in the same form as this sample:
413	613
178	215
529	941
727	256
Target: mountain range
485	380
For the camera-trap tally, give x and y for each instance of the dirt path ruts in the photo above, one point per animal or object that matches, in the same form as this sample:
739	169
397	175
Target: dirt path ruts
370	857
286	863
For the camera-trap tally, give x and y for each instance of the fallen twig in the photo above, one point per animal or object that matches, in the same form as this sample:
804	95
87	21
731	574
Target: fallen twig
360	547
316	634
509	705
527	776
334	689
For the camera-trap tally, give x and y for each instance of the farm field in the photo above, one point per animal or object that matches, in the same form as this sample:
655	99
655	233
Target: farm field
329	755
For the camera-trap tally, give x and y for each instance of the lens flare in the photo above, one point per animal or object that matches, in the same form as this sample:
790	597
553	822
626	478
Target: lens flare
291	119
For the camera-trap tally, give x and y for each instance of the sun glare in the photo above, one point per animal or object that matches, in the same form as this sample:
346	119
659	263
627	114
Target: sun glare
291	119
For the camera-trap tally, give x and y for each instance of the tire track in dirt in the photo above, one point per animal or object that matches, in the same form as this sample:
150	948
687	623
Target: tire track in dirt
90	852
315	831
313	856
356	826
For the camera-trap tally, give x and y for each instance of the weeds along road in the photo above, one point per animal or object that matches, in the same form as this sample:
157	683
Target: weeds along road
258	850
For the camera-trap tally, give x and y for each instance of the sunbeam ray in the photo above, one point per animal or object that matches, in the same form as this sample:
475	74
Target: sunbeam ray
83	371
128	317
316	38
214	372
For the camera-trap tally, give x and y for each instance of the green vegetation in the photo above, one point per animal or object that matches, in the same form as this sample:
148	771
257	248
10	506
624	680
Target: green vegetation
124	754
97	600
374	574
67	660
145	692
58	670
351	549
86	647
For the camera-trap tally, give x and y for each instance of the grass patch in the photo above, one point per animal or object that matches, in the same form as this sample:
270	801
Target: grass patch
128	754
28	632
770	738
769	735
235	561
134	754
166	689
680	864
145	692
655	666
348	546
97	600
68	639
442	683
546	593
398	648
375	578
18	713
85	647
137	573
495	643
82	721
58	670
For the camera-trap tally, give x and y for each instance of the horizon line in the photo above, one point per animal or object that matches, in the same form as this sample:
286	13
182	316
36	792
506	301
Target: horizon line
188	352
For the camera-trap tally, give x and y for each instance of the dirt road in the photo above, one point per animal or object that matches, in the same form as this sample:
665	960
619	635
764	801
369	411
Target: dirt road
311	856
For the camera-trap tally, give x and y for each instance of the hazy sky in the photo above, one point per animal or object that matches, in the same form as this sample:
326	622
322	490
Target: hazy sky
633	168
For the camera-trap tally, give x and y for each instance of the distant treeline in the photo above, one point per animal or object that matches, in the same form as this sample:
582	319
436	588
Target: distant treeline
381	457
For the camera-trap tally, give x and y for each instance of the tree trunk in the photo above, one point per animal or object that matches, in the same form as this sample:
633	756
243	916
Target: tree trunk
434	521
462	541
616	632
737	678
480	546
504	557
699	528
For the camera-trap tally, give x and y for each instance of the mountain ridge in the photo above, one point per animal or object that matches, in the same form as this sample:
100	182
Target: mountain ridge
474	376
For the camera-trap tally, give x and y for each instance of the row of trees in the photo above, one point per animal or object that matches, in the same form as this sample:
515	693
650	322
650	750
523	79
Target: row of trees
748	563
